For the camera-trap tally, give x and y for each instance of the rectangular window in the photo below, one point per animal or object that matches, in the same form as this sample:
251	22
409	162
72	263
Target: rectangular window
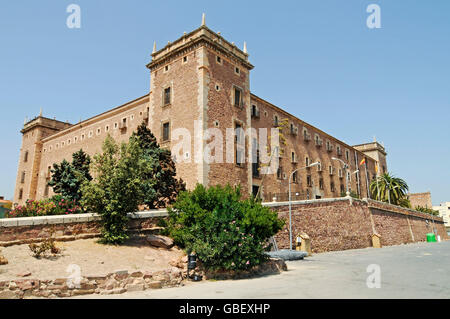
167	96
26	157
22	179
237	97
166	132
321	183
280	172
308	180
294	177
238	146
20	194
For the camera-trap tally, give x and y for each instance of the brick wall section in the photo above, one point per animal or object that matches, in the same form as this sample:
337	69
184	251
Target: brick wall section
334	224
74	227
420	199
331	225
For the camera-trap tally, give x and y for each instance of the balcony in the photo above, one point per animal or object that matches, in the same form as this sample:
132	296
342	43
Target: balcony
306	137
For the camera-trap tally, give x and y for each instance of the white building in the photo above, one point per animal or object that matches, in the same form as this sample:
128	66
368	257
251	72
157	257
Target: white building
444	212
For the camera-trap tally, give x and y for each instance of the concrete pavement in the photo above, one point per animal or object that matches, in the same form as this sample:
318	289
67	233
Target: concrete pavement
420	270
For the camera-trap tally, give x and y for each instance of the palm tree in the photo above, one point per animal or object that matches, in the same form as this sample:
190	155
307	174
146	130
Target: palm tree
389	189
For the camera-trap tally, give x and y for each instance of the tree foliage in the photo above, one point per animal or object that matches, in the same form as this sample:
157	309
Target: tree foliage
389	189
225	231
427	210
67	178
167	186
118	187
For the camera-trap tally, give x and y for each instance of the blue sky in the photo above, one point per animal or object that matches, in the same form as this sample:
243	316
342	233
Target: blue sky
316	59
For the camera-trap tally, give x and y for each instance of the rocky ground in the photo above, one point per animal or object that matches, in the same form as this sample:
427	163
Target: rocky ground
91	257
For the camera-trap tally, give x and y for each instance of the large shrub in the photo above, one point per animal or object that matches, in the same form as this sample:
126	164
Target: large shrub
118	186
225	231
57	205
167	186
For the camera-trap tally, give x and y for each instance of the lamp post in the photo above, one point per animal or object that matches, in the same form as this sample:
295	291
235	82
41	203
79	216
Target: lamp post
347	177
290	206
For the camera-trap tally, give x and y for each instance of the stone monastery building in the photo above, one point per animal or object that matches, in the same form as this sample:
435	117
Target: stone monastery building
203	80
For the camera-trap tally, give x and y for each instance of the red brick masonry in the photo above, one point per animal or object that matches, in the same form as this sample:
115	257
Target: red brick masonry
340	224
332	224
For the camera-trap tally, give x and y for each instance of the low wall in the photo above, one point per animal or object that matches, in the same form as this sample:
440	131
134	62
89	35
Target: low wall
342	223
25	230
332	224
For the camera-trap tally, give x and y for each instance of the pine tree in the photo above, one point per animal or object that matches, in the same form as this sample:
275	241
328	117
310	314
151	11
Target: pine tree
167	186
67	178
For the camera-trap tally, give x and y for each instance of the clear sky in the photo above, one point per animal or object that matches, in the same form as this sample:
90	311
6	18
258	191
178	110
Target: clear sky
316	59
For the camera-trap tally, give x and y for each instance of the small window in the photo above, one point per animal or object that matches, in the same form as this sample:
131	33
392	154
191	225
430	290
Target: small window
98	131
116	125
82	136
218	59
280	172
185	59
166	68
22	178
167	97
20	194
107	128
217	87
166	132
25	159
347	155
237	97
307	161
275	120
91	134
293	157
69	141
294	177
62	144
308	180
237	70
332	187
75	139
321	184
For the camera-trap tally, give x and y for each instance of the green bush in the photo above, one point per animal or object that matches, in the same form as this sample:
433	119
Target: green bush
226	232
57	205
427	210
117	188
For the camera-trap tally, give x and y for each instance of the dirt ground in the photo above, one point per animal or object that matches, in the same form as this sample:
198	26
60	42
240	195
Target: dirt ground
92	257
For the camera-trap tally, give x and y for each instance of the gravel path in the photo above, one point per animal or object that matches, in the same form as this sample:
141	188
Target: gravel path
92	257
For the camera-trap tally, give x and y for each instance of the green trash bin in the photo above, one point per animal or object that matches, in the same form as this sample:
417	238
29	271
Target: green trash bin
431	238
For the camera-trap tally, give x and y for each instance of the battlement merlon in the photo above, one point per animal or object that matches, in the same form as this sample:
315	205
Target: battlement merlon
201	34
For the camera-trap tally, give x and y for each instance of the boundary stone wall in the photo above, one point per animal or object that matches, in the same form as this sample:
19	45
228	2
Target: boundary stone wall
343	223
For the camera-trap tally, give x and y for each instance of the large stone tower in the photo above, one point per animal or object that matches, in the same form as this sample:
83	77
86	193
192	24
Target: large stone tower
201	81
30	155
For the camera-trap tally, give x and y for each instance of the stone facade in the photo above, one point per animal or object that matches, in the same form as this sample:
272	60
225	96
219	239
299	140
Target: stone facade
420	199
339	224
201	81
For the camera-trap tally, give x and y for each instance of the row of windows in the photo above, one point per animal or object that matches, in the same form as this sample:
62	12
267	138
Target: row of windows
293	129
107	128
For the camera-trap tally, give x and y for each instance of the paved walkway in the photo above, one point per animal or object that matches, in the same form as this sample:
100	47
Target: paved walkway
408	271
